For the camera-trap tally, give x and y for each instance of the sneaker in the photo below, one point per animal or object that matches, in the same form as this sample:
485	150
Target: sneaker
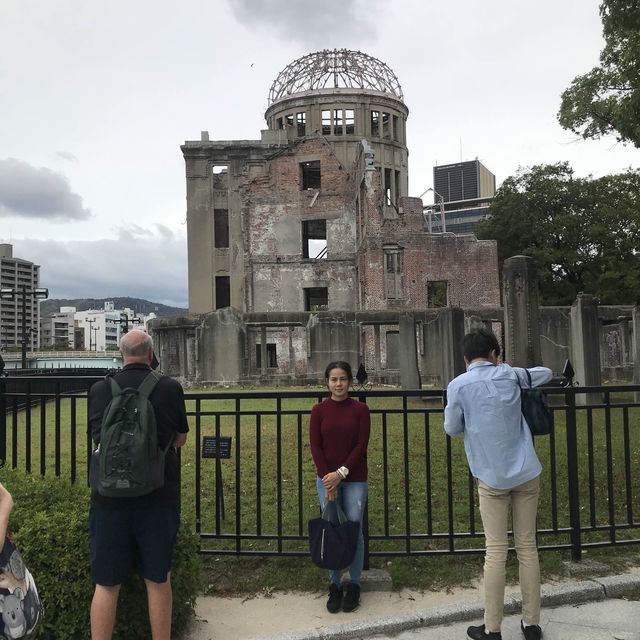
334	603
351	600
479	633
532	632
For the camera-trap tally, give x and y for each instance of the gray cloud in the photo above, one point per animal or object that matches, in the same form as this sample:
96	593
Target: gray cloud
37	192
67	155
324	24
143	263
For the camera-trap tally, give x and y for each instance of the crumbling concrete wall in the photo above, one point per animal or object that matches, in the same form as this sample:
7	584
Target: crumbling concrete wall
275	208
174	343
468	266
221	347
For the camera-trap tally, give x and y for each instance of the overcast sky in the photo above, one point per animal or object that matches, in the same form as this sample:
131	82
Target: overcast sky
97	97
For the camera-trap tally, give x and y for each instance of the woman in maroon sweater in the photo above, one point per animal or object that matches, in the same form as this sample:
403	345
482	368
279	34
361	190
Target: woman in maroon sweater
339	435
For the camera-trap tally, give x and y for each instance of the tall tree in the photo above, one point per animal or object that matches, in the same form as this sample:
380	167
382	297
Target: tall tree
607	99
583	232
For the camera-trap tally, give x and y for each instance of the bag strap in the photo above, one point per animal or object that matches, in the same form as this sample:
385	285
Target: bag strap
116	389
145	389
528	379
149	384
333	505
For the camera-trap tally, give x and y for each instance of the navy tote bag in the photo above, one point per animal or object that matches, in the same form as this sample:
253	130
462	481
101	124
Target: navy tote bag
333	538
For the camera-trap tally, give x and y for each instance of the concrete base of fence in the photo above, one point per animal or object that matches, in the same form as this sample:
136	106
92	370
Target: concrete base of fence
376	580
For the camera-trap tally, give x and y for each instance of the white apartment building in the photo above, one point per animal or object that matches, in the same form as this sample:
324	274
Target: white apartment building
101	329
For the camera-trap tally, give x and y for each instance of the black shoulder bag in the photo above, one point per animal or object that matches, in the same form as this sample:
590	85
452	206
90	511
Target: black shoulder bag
535	409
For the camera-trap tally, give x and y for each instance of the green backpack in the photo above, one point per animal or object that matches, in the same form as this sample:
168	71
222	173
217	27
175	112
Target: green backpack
128	461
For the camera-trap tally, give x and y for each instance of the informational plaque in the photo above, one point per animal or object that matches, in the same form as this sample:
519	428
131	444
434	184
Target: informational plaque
213	447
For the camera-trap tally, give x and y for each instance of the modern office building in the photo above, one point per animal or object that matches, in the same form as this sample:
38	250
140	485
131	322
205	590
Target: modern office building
464	191
17	274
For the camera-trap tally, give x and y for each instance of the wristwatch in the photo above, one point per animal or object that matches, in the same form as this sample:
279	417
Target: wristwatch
343	471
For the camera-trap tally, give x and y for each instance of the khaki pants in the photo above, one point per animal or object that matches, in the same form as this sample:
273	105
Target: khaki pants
494	509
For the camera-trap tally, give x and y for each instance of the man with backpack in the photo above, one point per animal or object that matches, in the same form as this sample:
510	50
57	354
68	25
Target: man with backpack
484	405
138	420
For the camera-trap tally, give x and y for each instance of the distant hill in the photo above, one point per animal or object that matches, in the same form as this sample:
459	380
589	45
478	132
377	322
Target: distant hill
49	307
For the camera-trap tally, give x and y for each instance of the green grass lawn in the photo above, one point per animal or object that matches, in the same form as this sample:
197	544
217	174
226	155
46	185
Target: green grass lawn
270	459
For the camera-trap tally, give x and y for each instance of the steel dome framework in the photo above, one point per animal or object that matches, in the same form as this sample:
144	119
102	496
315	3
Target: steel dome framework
332	69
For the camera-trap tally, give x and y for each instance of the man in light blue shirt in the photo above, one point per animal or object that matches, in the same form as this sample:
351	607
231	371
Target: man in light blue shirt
483	405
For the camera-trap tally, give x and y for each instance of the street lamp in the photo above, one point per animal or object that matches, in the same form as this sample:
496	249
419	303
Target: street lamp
124	320
90	330
23	291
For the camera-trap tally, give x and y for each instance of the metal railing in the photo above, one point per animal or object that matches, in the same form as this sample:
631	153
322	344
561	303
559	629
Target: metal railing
422	498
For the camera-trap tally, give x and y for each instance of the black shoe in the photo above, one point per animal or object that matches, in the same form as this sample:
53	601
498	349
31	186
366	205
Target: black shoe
532	632
478	633
334	603
351	600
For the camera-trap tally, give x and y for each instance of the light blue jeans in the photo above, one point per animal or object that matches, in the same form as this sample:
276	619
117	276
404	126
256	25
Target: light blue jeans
352	498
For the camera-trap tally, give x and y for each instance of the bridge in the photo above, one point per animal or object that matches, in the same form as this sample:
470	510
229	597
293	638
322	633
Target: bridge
64	359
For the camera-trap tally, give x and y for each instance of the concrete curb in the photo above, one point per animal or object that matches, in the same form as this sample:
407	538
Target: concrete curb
568	593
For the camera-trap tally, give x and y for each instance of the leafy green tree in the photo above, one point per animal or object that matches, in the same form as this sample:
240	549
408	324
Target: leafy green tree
607	99
584	233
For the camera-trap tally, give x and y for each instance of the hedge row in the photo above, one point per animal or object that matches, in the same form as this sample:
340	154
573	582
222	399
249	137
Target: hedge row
49	524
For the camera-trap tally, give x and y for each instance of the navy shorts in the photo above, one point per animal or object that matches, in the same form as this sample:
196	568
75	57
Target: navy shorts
123	539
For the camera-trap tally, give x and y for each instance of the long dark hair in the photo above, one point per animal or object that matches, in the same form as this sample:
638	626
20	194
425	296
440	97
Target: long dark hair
339	364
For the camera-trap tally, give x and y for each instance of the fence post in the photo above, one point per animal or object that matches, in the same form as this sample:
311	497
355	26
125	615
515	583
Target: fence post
365	533
3	420
572	471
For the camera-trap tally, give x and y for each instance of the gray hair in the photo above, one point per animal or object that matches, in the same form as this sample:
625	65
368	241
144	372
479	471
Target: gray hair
140	348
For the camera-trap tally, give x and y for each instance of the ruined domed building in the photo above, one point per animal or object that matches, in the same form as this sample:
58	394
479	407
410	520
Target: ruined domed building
312	226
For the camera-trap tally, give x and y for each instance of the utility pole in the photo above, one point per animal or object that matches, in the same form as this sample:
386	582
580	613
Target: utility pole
95	337
90	321
23	291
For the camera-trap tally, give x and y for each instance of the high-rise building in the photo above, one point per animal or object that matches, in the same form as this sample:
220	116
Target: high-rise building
464	190
16	273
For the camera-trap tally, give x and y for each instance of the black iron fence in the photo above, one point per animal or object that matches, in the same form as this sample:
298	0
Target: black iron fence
249	482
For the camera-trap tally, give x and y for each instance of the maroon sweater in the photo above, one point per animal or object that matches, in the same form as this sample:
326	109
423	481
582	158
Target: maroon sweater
339	435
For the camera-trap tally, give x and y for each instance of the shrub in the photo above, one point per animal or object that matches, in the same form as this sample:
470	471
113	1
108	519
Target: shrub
49	524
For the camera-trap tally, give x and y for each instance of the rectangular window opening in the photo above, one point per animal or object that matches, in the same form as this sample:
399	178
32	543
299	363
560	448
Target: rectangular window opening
301	121
397	186
387	187
316	299
437	294
393	349
220	175
314	239
326	122
338	122
310	174
221	228
223	292
396	133
289	120
393	259
386	129
375	123
272	358
279	124
349	121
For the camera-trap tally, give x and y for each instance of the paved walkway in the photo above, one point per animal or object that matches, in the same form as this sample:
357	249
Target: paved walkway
603	620
590	610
